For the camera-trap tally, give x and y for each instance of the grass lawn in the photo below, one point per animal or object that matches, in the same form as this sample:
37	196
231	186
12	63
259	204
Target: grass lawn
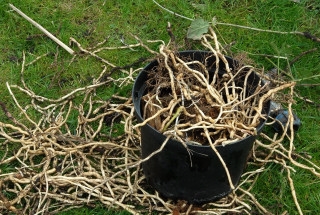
90	22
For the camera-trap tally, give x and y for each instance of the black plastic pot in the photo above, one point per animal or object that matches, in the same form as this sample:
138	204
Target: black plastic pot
172	172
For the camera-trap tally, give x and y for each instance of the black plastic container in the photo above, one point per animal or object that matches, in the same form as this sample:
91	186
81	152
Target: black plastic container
172	172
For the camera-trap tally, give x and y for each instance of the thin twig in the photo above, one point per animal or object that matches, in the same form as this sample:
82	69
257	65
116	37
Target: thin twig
59	42
301	55
305	34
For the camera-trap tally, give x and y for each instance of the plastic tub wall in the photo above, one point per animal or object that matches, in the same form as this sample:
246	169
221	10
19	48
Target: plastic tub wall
198	177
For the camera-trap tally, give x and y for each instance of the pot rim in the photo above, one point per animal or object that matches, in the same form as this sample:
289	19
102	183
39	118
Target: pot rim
137	100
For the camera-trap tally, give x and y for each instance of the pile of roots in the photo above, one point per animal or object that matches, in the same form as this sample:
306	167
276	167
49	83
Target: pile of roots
69	155
214	101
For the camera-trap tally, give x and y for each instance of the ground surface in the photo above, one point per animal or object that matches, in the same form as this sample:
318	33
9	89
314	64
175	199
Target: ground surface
91	21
